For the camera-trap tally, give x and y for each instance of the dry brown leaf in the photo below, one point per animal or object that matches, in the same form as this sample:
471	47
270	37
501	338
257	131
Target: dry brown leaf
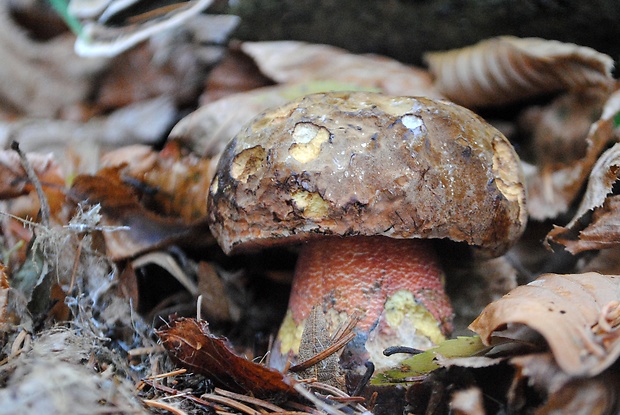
506	69
180	180
571	312
191	343
559	130
40	78
552	189
14	181
294	62
235	73
78	145
150	70
130	228
564	394
602	230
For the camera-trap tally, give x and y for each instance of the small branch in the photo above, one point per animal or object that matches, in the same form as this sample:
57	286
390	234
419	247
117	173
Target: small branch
45	207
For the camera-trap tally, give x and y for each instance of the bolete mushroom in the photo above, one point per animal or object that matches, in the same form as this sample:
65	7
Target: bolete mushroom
362	181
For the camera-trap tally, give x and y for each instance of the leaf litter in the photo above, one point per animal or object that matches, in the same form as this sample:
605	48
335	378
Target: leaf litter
66	303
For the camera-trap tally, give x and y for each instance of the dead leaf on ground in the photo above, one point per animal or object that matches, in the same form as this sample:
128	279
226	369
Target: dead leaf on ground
99	38
191	344
506	69
173	64
552	190
177	181
295	62
78	145
560	129
14	181
576	314
600	230
235	73
565	394
41	78
130	228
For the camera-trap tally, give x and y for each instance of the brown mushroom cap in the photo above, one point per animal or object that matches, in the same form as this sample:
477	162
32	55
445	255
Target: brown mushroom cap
368	164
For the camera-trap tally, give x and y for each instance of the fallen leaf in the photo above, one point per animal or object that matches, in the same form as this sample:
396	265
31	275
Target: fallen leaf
601	231
563	393
295	62
506	69
14	180
41	78
95	38
560	129
235	73
129	228
410	369
77	146
552	190
179	180
191	344
566	310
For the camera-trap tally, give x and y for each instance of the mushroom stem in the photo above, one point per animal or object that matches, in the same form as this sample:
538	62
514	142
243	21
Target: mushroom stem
397	285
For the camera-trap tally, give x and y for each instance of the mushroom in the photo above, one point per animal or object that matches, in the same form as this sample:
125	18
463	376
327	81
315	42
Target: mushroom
362	182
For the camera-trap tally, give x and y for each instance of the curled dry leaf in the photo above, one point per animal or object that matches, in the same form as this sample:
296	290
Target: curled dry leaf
14	180
294	62
78	145
172	64
559	130
129	228
191	344
506	69
576	315
602	231
565	394
180	180
99	38
40	78
467	402
551	190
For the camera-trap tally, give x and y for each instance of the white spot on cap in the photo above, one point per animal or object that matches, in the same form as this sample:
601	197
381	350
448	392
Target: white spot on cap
412	122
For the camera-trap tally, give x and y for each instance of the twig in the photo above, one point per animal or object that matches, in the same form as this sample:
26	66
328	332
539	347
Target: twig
328	351
230	403
165	406
248	399
192	398
32	176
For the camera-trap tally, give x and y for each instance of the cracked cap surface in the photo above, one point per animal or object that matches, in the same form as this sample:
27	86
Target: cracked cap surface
368	164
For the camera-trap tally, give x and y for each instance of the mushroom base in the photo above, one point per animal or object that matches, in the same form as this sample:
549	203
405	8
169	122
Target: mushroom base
395	285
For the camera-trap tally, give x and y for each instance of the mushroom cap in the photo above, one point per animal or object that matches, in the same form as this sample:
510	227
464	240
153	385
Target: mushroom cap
358	163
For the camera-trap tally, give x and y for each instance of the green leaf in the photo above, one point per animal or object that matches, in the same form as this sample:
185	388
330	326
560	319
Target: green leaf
62	8
424	363
617	120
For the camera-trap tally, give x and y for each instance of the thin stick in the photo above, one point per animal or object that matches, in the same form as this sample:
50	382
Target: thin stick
165	406
331	349
248	399
32	176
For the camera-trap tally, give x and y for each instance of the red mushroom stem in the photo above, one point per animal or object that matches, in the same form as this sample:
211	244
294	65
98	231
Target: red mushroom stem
360	273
